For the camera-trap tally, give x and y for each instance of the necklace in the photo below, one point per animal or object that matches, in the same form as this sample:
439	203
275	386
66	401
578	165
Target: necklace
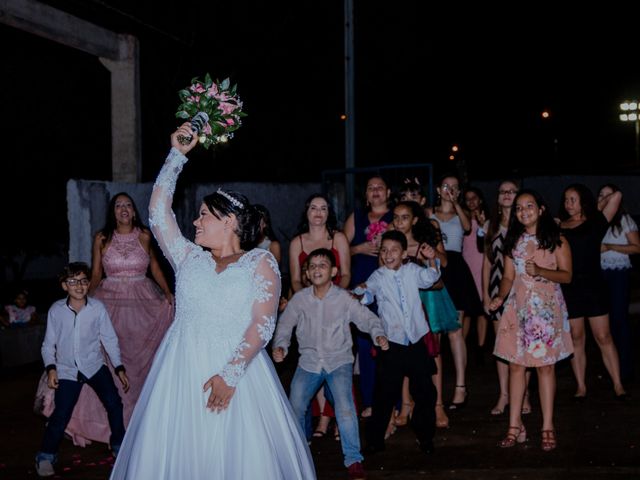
231	255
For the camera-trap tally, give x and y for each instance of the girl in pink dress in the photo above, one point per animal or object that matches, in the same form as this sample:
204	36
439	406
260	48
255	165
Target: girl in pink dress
534	326
140	310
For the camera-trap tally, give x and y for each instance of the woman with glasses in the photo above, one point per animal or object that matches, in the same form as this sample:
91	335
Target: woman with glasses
454	225
141	310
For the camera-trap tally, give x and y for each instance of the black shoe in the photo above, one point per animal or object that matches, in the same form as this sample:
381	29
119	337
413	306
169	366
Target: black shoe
372	449
426	447
460	405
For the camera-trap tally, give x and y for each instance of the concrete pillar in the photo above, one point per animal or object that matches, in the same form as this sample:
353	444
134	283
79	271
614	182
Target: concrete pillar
125	112
118	53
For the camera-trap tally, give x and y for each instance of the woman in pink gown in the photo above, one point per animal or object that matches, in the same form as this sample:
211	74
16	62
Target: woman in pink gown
140	310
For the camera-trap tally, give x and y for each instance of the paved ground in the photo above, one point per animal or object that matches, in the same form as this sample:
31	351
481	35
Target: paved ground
599	438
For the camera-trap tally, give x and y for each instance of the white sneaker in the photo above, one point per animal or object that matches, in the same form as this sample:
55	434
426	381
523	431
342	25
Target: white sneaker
45	468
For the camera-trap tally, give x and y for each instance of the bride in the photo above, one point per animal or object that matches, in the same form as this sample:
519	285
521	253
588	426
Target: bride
212	405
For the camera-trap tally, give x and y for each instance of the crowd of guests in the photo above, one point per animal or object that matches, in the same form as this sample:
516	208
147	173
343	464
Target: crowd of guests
399	275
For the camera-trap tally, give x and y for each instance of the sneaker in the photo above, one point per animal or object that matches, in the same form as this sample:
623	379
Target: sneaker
356	471
44	468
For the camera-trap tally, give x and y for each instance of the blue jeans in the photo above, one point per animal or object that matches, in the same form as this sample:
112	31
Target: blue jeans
66	398
305	385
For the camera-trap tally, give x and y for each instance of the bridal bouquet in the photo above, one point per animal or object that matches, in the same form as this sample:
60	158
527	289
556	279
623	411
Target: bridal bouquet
221	104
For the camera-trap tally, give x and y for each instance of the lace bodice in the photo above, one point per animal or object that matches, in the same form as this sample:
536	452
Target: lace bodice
125	256
232	312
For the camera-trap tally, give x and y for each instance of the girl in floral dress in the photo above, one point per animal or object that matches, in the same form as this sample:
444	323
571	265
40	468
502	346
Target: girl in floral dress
534	328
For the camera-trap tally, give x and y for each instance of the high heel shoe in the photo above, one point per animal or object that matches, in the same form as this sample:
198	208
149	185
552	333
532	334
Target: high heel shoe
514	435
402	418
442	421
548	442
462	404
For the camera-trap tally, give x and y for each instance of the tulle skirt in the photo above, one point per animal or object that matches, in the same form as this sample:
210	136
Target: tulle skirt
172	435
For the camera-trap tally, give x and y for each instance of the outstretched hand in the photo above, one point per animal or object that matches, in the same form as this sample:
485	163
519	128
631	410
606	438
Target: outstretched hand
220	395
184	130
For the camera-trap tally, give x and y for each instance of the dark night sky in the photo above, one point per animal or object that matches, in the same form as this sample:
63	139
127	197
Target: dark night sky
425	80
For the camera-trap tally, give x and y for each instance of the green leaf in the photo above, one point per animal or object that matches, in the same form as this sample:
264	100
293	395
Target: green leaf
184	94
217	129
207	80
183	114
194	80
225	84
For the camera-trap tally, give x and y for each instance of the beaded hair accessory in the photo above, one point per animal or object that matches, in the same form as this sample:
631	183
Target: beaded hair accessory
234	201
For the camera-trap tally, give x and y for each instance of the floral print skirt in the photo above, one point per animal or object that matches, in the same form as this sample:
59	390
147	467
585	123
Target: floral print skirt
534	328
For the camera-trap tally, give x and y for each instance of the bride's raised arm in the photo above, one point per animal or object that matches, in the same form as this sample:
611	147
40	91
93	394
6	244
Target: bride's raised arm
161	217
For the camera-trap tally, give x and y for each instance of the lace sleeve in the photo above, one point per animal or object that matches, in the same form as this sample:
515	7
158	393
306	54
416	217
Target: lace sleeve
161	218
266	295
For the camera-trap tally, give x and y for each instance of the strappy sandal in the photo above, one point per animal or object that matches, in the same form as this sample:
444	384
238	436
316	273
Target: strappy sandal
401	420
462	404
514	435
548	442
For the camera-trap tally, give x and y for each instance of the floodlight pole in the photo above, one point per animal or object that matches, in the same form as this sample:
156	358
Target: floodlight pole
349	103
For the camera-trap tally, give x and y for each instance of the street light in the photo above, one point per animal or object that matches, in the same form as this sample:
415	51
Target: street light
631	113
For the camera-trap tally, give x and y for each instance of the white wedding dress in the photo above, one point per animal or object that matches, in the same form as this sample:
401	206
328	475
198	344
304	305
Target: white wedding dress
222	323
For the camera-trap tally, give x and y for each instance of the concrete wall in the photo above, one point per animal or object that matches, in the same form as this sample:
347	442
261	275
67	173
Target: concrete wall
87	203
88	200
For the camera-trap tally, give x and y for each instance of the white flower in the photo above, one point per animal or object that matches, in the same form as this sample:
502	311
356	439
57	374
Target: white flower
202	138
223	138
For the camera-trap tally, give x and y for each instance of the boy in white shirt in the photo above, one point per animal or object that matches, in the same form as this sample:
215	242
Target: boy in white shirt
395	286
77	327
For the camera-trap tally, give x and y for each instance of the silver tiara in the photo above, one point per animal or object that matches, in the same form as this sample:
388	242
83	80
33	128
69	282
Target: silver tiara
234	201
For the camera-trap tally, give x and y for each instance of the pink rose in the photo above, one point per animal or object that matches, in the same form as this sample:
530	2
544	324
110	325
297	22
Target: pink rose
207	129
227	108
212	91
193	99
197	88
230	121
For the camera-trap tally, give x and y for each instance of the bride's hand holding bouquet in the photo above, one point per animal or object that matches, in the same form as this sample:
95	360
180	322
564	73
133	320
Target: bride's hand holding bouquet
183	131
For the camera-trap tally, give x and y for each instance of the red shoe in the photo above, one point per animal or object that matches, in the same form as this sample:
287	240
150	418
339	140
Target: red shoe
356	471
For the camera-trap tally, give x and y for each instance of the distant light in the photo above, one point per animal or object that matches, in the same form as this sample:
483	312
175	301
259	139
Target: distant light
545	114
624	117
629	105
452	157
454	148
343	117
633	117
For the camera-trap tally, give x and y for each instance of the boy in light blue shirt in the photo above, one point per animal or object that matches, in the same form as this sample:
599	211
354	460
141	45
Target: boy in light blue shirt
395	286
